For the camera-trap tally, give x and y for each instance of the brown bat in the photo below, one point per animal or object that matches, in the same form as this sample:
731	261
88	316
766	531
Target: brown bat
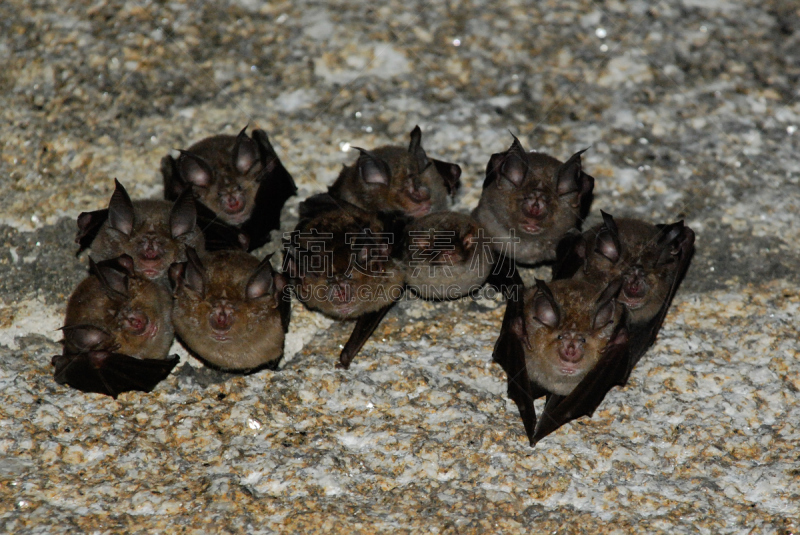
240	185
568	341
445	257
651	261
117	332
530	201
339	259
154	233
230	310
393	179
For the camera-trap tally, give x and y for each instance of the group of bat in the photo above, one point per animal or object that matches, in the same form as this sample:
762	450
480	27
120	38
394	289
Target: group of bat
182	267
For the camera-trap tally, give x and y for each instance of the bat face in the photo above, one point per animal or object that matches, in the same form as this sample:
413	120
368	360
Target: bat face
535	197
225	173
444	257
116	310
641	254
565	327
340	264
153	233
393	179
227	309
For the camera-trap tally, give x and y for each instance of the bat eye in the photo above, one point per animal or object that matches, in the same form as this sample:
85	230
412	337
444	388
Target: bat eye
583	340
560	336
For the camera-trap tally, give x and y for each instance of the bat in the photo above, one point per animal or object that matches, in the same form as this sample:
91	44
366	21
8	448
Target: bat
567	341
340	261
153	233
117	332
650	259
530	201
393	179
231	311
445	256
240	186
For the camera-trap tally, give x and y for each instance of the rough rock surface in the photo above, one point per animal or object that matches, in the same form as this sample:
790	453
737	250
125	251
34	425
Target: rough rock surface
690	110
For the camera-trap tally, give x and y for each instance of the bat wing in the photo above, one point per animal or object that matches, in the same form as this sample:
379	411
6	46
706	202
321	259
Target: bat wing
322	203
506	279
586	194
277	185
643	337
611	370
111	373
510	355
173	184
568	256
285	309
365	326
89	224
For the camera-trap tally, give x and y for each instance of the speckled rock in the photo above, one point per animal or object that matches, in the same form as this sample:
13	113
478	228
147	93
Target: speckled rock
691	110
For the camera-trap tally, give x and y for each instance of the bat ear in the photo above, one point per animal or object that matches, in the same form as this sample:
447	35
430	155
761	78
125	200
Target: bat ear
568	175
515	163
113	281
607	241
262	281
86	337
120	210
245	152
175	274
416	151
194	274
669	239
606	305
545	308
372	169
451	173
183	215
194	170
125	262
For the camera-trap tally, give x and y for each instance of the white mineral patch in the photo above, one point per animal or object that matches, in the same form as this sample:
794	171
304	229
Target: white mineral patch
383	61
624	69
32	316
295	100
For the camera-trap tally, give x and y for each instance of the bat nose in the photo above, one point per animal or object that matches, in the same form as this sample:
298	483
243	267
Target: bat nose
571	349
535	206
572	352
151	249
221	317
136	322
419	194
635	285
233	203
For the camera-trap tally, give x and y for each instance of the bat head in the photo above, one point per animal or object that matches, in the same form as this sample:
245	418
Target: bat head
535	194
340	263
226	308
396	179
565	328
153	233
225	172
643	256
117	310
